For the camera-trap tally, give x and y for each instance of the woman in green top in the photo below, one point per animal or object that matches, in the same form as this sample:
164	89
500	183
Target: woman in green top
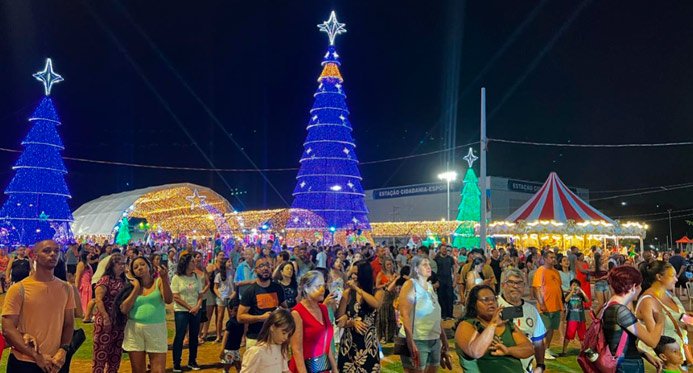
145	331
485	343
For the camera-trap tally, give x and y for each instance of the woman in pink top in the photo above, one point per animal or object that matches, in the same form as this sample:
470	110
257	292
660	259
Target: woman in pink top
83	276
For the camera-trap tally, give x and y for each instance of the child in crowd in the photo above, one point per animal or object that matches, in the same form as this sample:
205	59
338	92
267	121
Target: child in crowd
575	314
230	355
670	352
271	353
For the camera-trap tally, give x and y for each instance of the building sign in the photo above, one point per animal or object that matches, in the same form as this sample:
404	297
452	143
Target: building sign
527	186
410	190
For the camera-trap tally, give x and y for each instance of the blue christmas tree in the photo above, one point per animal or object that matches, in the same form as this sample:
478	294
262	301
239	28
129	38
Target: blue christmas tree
36	207
329	181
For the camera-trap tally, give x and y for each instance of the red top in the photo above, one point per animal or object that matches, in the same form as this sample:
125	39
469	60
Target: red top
317	336
376	266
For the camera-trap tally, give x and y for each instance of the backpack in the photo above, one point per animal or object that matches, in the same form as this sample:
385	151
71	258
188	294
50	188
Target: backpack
605	361
20	269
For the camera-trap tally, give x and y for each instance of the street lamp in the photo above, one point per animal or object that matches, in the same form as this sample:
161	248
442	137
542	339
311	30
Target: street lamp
448	176
671	243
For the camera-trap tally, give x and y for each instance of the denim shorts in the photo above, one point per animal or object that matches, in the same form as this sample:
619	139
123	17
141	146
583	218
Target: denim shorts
429	354
630	366
602	286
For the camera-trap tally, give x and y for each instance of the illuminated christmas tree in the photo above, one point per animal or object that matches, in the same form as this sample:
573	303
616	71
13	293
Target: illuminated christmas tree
36	207
469	212
123	237
328	181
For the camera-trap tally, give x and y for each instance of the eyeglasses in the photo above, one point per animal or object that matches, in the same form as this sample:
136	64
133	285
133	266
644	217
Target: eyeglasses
515	283
487	300
263	265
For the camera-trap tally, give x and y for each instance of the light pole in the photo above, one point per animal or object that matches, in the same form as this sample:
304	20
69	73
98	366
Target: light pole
448	176
671	243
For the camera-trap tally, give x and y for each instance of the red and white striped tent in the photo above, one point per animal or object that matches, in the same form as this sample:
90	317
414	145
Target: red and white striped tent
556	202
556	216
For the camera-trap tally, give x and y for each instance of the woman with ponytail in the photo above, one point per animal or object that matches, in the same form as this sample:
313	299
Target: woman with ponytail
659	281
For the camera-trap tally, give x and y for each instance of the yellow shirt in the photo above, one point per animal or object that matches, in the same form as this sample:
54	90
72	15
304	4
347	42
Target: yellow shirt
41	312
548	282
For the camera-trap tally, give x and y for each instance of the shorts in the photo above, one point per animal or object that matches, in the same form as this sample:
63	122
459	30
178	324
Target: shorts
223	302
231	356
145	337
573	326
429	354
552	320
602	286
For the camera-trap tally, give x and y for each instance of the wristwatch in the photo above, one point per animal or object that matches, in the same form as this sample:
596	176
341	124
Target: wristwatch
66	347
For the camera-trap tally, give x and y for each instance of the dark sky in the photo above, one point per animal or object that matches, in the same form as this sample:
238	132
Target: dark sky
137	72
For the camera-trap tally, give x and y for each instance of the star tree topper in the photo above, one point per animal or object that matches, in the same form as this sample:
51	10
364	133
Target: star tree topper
470	158
332	27
196	196
48	77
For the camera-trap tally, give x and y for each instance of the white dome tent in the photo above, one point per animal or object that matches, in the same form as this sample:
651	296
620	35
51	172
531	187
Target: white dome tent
181	208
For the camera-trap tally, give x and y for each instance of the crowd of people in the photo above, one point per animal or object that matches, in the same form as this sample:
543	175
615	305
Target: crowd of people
331	308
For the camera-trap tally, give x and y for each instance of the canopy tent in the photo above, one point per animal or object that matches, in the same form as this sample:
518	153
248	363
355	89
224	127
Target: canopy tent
556	216
684	243
177	209
683	240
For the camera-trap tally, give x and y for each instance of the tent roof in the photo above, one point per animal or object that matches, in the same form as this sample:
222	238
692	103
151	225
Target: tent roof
555	201
684	239
99	216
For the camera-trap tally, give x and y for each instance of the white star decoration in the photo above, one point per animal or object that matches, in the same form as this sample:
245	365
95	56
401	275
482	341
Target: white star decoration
470	158
355	220
48	77
196	196
303	183
309	150
342	117
350	185
332	27
346	151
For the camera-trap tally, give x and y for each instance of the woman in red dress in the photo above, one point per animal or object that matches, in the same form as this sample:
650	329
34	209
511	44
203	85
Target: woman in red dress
311	344
581	272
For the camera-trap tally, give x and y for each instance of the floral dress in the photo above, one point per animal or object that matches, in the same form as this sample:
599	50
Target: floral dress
359	353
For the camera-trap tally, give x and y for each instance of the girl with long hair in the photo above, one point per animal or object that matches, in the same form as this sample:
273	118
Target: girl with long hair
386	326
83	281
187	294
271	353
359	346
224	291
143	301
286	277
108	334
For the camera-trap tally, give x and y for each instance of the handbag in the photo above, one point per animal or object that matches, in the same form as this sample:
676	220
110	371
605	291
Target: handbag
320	363
401	347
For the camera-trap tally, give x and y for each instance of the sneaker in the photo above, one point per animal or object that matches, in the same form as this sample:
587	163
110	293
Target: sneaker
177	369
193	366
548	356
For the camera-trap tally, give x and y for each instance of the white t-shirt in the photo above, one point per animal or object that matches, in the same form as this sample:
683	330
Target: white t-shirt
529	324
225	287
321	259
264	358
188	287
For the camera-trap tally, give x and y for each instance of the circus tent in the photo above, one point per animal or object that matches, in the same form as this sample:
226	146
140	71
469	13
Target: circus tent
556	216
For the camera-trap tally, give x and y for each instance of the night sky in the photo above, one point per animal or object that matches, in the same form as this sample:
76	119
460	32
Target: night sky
163	83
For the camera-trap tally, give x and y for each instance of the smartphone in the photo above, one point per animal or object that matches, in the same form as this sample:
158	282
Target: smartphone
509	313
164	260
687	319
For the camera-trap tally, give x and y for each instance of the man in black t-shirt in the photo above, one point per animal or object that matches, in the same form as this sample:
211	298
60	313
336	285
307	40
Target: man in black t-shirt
259	300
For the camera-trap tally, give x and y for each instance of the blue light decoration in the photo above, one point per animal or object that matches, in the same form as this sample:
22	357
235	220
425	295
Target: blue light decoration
328	181
36	206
